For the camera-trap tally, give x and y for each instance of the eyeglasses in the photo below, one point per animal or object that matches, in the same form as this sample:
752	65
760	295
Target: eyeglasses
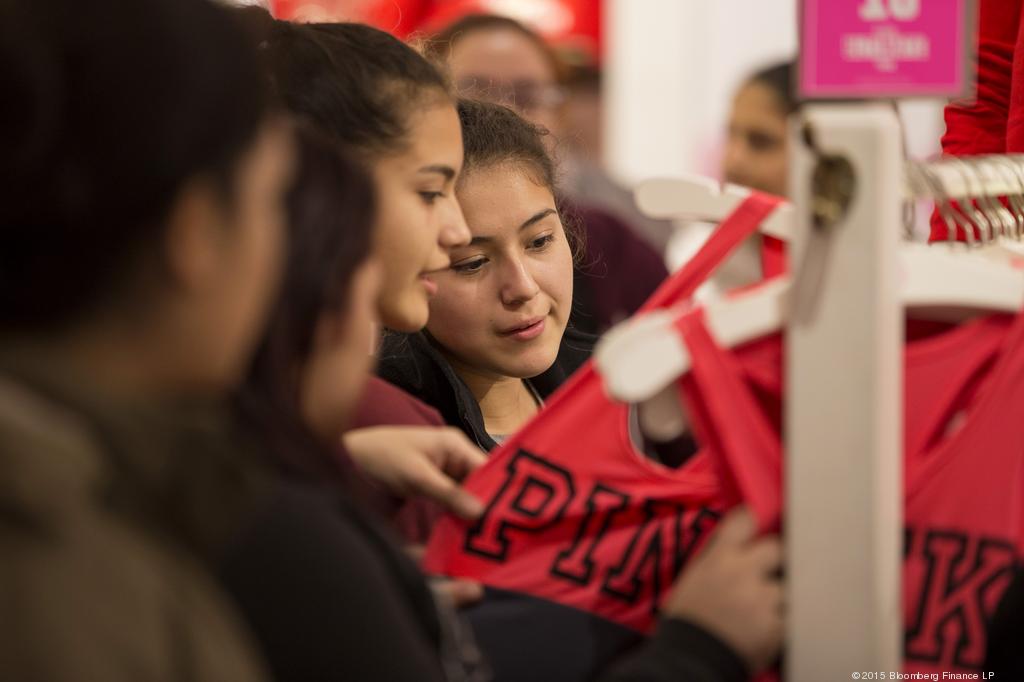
524	95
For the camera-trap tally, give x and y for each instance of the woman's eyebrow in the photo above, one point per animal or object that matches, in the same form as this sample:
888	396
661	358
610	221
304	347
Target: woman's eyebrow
536	217
447	171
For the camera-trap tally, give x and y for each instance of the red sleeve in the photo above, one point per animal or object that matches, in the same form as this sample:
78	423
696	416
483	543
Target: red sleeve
994	122
1015	122
385	404
980	127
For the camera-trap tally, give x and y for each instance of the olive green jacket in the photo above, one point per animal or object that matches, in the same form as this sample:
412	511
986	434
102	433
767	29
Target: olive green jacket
107	519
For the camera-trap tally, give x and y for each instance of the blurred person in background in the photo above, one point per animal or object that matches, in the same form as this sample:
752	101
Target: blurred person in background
501	60
756	150
756	155
141	201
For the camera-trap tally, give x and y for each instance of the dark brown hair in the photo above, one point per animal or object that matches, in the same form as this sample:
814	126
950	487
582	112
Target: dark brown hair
780	79
330	227
357	84
111	107
493	134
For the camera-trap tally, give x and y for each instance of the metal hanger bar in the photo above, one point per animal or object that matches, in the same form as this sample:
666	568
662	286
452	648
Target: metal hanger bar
967	177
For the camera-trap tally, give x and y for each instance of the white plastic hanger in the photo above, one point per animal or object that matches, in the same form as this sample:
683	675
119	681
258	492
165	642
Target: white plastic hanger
956	179
701	198
641	357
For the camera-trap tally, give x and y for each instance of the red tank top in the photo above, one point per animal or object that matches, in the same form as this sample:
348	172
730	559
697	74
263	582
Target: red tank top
577	516
964	463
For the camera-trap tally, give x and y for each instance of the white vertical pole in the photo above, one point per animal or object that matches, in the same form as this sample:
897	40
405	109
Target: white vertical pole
844	405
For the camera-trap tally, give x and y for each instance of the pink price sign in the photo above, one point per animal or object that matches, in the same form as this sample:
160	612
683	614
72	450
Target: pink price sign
863	49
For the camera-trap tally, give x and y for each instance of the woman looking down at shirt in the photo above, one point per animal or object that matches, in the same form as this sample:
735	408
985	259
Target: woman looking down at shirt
496	342
390	110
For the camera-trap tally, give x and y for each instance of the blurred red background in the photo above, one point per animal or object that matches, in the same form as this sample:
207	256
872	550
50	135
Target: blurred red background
572	26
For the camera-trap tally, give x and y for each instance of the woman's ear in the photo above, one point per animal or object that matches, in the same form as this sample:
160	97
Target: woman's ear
330	330
358	315
195	237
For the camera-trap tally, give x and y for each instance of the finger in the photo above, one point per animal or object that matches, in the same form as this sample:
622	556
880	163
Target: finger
416	552
465	504
459	591
461	456
737	528
465	592
433	483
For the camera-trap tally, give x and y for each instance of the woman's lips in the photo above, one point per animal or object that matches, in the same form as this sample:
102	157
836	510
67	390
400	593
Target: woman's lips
527	332
428	284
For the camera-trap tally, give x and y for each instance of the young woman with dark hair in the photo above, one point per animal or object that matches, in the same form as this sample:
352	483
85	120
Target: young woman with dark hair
391	110
141	187
499	320
353	608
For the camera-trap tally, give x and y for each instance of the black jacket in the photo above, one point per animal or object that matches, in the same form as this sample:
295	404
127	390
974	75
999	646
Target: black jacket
330	597
411	362
1006	632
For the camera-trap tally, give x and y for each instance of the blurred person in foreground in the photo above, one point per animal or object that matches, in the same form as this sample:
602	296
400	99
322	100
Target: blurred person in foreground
141	192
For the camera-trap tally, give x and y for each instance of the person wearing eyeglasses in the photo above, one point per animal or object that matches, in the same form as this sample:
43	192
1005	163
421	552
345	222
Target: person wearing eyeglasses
500	60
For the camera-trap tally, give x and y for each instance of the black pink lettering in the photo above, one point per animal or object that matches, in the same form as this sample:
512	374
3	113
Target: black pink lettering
534	497
577	562
660	535
641	566
703	521
964	578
